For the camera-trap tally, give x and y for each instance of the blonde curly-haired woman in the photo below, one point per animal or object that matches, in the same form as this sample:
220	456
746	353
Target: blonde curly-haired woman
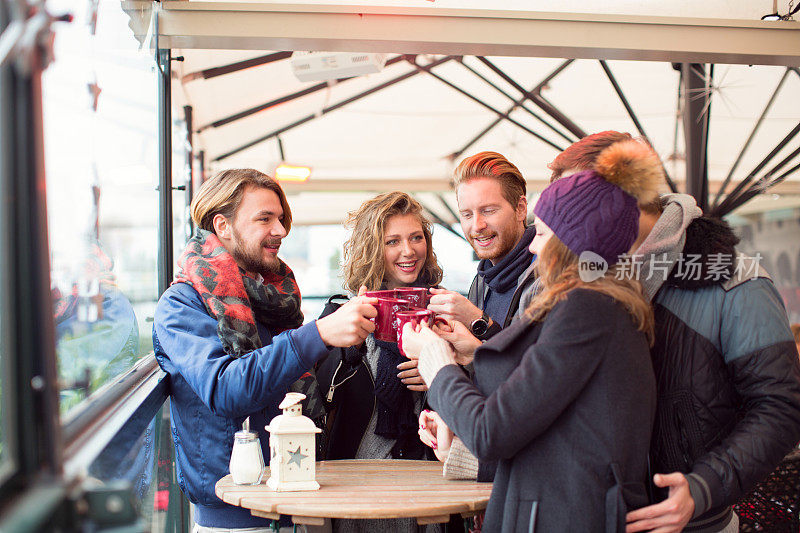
375	394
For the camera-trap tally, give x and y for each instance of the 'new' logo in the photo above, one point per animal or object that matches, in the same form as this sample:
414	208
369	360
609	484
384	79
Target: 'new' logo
591	266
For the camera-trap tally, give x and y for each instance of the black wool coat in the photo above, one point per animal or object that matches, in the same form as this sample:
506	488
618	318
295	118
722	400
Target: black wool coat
566	406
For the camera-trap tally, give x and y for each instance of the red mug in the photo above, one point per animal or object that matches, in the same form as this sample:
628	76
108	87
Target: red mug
414	317
418	296
380	294
386	321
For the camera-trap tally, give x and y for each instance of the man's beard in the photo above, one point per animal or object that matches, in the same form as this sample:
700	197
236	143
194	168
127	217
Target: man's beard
504	243
252	261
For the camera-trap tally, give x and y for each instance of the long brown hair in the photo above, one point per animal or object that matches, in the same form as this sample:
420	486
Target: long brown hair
557	267
364	250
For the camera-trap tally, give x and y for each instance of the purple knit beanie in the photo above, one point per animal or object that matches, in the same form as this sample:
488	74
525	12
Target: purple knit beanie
598	210
586	212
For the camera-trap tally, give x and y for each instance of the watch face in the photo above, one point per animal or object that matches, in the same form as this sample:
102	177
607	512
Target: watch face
479	327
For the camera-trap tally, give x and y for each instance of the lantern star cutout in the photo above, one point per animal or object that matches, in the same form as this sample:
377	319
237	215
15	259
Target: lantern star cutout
296	457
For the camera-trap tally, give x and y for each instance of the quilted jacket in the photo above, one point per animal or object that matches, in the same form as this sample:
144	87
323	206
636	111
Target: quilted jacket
728	380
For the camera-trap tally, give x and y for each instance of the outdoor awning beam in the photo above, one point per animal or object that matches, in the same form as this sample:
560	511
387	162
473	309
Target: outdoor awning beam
763	183
622	99
265	106
328	109
634	118
724	207
438	220
445	225
281	153
696	110
745	197
678	104
757	125
776	168
520	105
469	31
427	68
550	77
449	209
235	67
282	100
455	155
537	99
498	120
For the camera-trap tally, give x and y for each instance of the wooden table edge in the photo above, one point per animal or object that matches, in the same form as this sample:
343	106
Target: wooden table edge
274	510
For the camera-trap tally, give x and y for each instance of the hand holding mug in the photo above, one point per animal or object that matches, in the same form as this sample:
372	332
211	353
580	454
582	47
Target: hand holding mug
350	324
414	338
453	306
415	317
386	320
462	340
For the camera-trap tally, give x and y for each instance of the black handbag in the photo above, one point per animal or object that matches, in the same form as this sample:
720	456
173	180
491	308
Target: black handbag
314	404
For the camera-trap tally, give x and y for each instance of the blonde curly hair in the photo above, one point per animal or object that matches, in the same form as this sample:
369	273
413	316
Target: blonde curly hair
364	250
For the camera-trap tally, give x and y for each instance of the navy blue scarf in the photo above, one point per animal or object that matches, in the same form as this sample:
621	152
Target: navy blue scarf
395	403
503	276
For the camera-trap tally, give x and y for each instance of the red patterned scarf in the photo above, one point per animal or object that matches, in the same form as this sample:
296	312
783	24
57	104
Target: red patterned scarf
236	298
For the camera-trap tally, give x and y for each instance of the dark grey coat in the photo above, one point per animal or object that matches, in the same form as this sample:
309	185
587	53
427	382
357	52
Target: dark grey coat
567	406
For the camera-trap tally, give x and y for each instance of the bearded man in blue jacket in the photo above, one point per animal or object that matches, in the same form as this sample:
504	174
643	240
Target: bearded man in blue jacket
229	333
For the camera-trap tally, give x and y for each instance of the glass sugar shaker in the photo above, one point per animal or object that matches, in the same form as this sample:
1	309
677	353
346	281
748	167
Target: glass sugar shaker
247	461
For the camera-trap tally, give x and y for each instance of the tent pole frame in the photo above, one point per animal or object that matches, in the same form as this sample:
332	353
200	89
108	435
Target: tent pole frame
537	99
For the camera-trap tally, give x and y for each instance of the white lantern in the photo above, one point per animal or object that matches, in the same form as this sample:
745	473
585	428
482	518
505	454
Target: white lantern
292	445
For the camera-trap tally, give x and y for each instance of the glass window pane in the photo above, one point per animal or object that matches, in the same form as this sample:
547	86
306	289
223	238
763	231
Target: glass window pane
101	157
140	458
772	237
181	175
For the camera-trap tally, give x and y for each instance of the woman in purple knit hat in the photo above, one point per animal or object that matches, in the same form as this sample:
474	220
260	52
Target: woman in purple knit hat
562	407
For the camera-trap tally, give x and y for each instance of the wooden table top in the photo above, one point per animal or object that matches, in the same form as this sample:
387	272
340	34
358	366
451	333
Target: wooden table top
365	488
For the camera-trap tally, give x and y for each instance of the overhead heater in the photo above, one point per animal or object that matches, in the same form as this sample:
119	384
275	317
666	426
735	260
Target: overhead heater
321	66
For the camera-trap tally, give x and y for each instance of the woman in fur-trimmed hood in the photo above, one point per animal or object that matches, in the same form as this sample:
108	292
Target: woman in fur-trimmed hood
564	398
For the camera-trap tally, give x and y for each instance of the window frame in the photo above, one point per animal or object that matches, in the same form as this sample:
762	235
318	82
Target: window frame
28	342
46	457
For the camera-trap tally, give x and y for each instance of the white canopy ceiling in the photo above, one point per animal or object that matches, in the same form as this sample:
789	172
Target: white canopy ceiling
403	136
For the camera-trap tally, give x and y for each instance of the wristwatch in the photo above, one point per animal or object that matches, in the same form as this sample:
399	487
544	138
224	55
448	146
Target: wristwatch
480	325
